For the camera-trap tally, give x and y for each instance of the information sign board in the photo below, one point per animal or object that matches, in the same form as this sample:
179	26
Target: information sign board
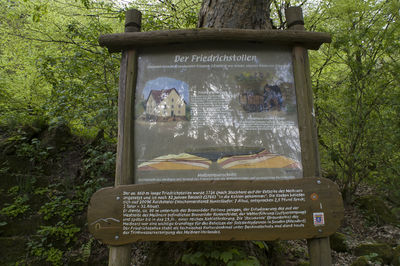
216	112
220	105
216	210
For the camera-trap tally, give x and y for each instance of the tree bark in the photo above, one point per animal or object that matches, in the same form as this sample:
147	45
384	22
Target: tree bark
240	14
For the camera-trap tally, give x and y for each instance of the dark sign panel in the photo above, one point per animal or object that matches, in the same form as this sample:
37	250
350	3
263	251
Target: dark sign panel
216	210
221	112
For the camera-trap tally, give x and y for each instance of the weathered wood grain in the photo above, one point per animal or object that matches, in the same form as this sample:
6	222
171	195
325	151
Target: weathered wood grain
305	112
124	173
319	248
122	41
294	18
106	209
126	102
133	20
243	14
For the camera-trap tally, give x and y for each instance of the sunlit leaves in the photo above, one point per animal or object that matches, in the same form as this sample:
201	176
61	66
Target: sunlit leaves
52	66
169	14
355	84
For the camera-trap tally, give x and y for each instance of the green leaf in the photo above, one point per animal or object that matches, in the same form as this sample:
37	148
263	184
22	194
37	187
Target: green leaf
226	256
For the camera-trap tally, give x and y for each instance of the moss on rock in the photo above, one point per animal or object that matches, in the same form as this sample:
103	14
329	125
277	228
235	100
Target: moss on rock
383	251
57	137
360	261
338	242
396	212
396	257
376	211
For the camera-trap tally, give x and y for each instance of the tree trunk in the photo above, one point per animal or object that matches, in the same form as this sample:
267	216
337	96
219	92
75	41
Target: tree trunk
241	14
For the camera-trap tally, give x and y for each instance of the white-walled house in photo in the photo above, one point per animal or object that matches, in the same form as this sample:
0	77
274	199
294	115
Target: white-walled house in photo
165	104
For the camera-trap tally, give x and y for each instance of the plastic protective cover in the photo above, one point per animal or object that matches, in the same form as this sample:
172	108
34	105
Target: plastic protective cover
216	112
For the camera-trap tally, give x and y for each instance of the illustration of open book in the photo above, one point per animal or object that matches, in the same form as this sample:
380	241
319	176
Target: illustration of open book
225	158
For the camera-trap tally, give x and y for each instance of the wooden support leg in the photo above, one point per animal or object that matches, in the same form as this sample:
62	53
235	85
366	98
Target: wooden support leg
319	250
120	256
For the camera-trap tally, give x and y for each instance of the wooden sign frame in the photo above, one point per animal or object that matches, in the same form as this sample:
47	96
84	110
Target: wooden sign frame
300	40
216	210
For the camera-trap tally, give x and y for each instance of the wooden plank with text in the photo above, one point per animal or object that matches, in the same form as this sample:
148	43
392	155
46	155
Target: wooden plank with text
216	210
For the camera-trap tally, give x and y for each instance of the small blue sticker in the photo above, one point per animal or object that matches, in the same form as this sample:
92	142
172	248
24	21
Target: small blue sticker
318	218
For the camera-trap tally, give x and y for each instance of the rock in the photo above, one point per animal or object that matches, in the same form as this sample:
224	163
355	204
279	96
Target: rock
383	250
35	128
338	242
396	257
396	212
360	261
303	263
57	136
98	139
376	211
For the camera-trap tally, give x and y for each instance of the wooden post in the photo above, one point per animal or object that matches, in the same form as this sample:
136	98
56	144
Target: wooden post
319	249
124	174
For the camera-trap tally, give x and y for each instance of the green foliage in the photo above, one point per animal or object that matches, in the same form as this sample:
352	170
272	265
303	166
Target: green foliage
172	14
49	254
19	206
375	211
98	161
357	91
66	232
278	8
73	79
261	245
57	81
52	69
86	251
61	236
60	207
374	258
34	151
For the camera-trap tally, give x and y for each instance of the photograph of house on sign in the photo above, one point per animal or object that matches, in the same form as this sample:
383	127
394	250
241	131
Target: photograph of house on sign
165	105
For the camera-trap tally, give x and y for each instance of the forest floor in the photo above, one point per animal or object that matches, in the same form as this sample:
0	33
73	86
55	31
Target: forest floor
358	232
359	241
